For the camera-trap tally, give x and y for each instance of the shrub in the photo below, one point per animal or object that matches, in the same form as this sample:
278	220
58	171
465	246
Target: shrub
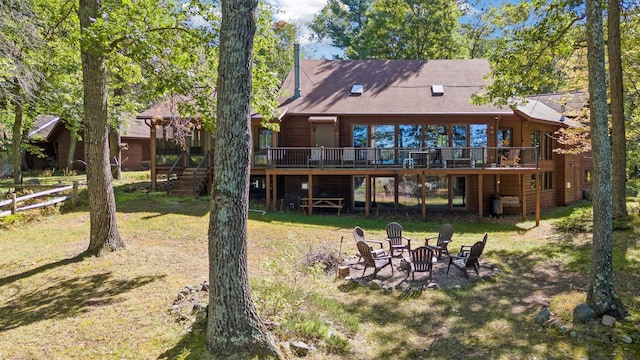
581	220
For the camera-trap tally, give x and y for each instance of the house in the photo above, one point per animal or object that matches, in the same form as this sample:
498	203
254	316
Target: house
398	135
51	135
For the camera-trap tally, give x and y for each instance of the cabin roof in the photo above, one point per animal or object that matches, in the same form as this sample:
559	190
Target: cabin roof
388	87
45	128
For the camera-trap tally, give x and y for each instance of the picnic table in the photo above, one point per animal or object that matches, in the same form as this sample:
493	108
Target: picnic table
322	202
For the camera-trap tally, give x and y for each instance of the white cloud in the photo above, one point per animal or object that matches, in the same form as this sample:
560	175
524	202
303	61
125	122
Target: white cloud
298	10
300	13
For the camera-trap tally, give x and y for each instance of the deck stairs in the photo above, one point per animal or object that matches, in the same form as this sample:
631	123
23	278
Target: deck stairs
184	185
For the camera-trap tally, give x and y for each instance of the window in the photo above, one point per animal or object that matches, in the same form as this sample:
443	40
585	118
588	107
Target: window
505	137
536	140
548	146
436	136
360	136
409	136
459	137
547	180
588	176
533	181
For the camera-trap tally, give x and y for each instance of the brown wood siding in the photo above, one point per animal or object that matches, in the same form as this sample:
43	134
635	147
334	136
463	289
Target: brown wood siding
295	132
137	152
63	141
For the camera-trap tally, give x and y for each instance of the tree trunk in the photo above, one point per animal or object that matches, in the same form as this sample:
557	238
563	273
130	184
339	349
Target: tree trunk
601	294
73	141
104	235
618	133
16	148
233	327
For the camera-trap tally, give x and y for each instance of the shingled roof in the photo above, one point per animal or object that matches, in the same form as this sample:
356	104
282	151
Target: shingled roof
389	87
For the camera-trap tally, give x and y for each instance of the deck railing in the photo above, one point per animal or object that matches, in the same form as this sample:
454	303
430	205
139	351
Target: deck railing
407	158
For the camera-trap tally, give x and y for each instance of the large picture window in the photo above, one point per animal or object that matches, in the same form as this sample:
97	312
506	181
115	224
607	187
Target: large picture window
360	136
436	136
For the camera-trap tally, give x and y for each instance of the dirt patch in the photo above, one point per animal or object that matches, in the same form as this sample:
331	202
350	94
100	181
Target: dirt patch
400	277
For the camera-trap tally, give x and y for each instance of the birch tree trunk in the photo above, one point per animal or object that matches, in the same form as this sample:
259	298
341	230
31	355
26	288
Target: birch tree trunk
601	294
234	329
104	235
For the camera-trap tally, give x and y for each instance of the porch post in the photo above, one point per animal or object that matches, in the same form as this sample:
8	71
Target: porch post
274	191
310	194
537	198
423	195
523	190
154	185
268	191
367	201
480	197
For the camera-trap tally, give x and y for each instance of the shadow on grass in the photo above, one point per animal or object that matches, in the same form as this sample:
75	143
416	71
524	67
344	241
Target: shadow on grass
13	278
136	198
486	319
192	346
67	298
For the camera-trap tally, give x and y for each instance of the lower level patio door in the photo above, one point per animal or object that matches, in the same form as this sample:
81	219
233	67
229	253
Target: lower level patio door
441	192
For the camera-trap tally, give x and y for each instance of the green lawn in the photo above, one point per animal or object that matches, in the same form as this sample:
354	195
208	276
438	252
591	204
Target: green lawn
54	305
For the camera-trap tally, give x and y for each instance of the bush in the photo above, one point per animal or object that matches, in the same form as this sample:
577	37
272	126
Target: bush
580	221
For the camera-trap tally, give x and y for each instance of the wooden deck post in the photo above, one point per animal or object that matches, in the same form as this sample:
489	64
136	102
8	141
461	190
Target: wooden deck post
154	184
268	191
367	201
480	200
310	194
537	199
423	195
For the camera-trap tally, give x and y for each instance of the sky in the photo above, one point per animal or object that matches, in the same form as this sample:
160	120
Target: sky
301	12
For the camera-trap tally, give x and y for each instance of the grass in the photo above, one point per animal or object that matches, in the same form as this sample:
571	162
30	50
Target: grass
56	305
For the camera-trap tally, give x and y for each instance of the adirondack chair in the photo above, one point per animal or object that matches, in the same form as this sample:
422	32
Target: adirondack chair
442	240
377	263
420	260
447	156
396	240
512	158
468	257
316	156
358	235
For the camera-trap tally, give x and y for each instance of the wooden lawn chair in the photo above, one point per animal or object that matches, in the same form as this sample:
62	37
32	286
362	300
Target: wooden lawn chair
443	240
358	235
377	263
420	260
396	240
468	257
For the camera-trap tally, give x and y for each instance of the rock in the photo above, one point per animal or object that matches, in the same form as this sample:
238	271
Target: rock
198	287
573	333
185	291
627	318
433	286
299	348
205	285
606	339
399	287
583	313
375	284
543	316
627	339
457	287
200	310
608	320
563	328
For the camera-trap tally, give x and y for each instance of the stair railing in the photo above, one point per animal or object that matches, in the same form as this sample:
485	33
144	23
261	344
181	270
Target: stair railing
171	177
198	182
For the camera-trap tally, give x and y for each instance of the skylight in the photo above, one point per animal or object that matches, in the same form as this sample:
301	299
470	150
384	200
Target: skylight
437	90
356	90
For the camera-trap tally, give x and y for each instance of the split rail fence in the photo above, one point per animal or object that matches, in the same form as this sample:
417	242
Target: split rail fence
42	198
